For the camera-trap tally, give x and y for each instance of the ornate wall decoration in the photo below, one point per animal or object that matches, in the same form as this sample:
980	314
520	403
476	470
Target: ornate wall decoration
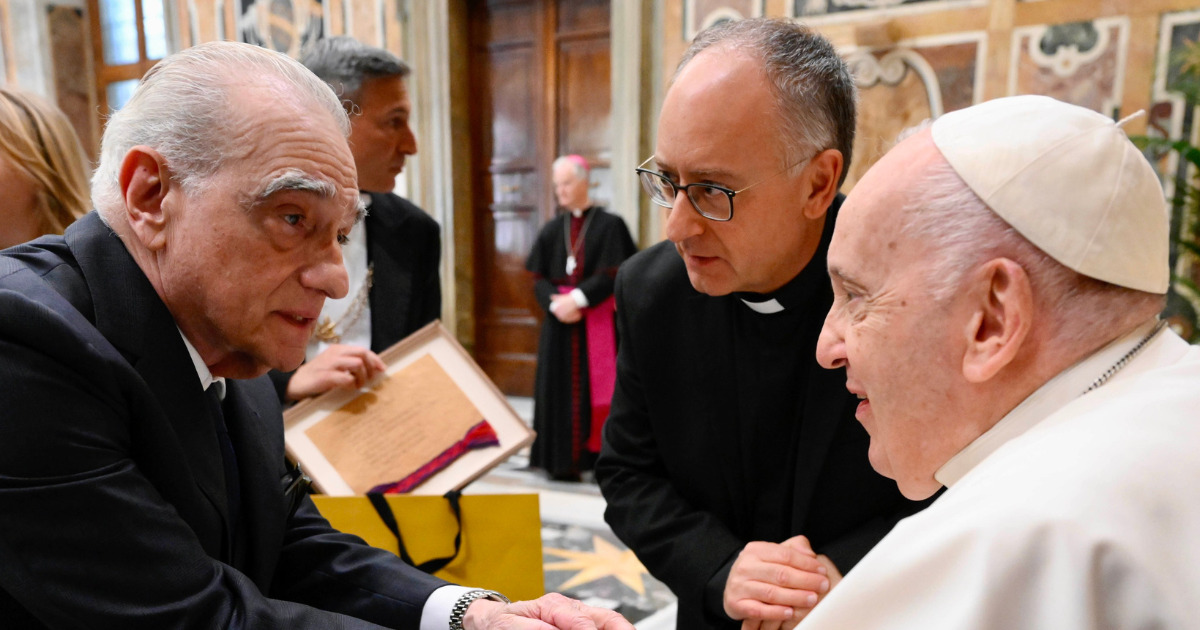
1080	62
902	86
1175	97
1170	118
287	26
701	14
811	8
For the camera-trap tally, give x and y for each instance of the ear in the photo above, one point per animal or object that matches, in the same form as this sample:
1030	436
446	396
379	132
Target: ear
824	171
145	180
1003	303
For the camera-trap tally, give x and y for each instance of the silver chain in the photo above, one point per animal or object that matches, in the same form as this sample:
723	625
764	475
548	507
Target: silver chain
1123	361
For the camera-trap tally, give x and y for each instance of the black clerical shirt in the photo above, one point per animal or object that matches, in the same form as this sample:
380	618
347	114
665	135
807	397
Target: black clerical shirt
773	354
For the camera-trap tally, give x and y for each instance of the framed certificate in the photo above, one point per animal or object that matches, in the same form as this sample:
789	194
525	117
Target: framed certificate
433	422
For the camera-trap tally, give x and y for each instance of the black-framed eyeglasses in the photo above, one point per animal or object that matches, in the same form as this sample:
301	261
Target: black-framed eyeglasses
711	201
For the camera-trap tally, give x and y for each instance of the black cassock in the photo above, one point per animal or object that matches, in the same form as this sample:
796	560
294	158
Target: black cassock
725	430
562	396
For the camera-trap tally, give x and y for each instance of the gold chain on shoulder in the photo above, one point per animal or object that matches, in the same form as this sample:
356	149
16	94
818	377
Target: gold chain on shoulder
327	330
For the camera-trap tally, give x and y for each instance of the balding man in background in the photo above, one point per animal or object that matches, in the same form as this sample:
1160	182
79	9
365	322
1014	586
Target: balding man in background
997	280
141	486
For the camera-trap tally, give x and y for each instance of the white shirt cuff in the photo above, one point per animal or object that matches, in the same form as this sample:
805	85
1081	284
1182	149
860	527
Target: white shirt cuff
580	299
436	613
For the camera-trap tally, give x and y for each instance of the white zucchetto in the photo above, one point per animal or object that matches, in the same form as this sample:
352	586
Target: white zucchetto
1069	180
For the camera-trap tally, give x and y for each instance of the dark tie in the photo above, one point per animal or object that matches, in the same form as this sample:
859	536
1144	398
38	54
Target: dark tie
233	486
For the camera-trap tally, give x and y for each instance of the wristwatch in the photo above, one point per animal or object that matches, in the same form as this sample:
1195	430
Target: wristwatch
460	607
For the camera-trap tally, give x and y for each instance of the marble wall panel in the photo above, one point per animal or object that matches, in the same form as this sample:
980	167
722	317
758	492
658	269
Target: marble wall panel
904	85
287	26
1078	62
814	8
1175	98
700	14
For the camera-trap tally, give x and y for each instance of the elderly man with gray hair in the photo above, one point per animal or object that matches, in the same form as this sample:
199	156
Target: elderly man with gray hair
997	280
141	485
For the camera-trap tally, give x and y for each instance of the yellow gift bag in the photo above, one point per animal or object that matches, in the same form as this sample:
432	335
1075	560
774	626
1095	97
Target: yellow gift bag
499	542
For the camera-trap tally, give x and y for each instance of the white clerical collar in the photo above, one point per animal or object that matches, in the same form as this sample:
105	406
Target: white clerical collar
206	376
1049	398
366	199
578	213
769	307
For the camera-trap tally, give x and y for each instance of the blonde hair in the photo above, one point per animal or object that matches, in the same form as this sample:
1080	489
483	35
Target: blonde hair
39	141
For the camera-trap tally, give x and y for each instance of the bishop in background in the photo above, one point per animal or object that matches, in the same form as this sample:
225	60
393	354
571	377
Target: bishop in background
574	262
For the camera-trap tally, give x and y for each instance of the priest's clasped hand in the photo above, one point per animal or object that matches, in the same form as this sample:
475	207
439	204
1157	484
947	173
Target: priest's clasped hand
549	612
773	586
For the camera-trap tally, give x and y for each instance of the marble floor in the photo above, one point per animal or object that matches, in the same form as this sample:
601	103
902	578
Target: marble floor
581	556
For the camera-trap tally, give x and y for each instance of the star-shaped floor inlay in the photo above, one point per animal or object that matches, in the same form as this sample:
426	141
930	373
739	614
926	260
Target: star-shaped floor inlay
603	561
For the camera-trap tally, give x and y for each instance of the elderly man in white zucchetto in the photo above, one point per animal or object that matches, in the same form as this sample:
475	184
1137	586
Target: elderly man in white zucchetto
998	278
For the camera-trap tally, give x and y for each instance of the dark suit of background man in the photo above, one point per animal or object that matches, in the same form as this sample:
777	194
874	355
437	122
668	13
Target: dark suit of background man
732	463
140	486
392	260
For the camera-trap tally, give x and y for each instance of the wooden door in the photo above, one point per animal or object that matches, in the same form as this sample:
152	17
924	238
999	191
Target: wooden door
540	74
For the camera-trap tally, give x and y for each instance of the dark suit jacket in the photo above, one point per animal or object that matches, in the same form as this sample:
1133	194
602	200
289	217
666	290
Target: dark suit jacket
670	467
404	245
112	514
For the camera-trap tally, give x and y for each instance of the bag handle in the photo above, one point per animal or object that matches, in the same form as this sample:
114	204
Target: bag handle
379	501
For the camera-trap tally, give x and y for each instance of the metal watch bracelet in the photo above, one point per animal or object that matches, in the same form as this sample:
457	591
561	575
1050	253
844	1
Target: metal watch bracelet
460	607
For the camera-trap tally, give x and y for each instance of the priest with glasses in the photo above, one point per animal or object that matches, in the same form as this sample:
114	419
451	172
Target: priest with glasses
732	463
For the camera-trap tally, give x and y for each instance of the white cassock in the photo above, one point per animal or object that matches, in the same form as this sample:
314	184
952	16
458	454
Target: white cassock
1074	511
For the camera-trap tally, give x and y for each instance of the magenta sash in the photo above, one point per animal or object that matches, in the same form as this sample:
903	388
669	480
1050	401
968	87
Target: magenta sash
602	362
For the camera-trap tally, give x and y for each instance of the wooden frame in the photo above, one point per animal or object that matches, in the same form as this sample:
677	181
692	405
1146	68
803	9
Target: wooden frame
435	342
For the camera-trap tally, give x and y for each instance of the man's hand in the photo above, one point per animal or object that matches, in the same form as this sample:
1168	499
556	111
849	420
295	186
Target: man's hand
548	612
349	367
563	307
831	570
773	586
